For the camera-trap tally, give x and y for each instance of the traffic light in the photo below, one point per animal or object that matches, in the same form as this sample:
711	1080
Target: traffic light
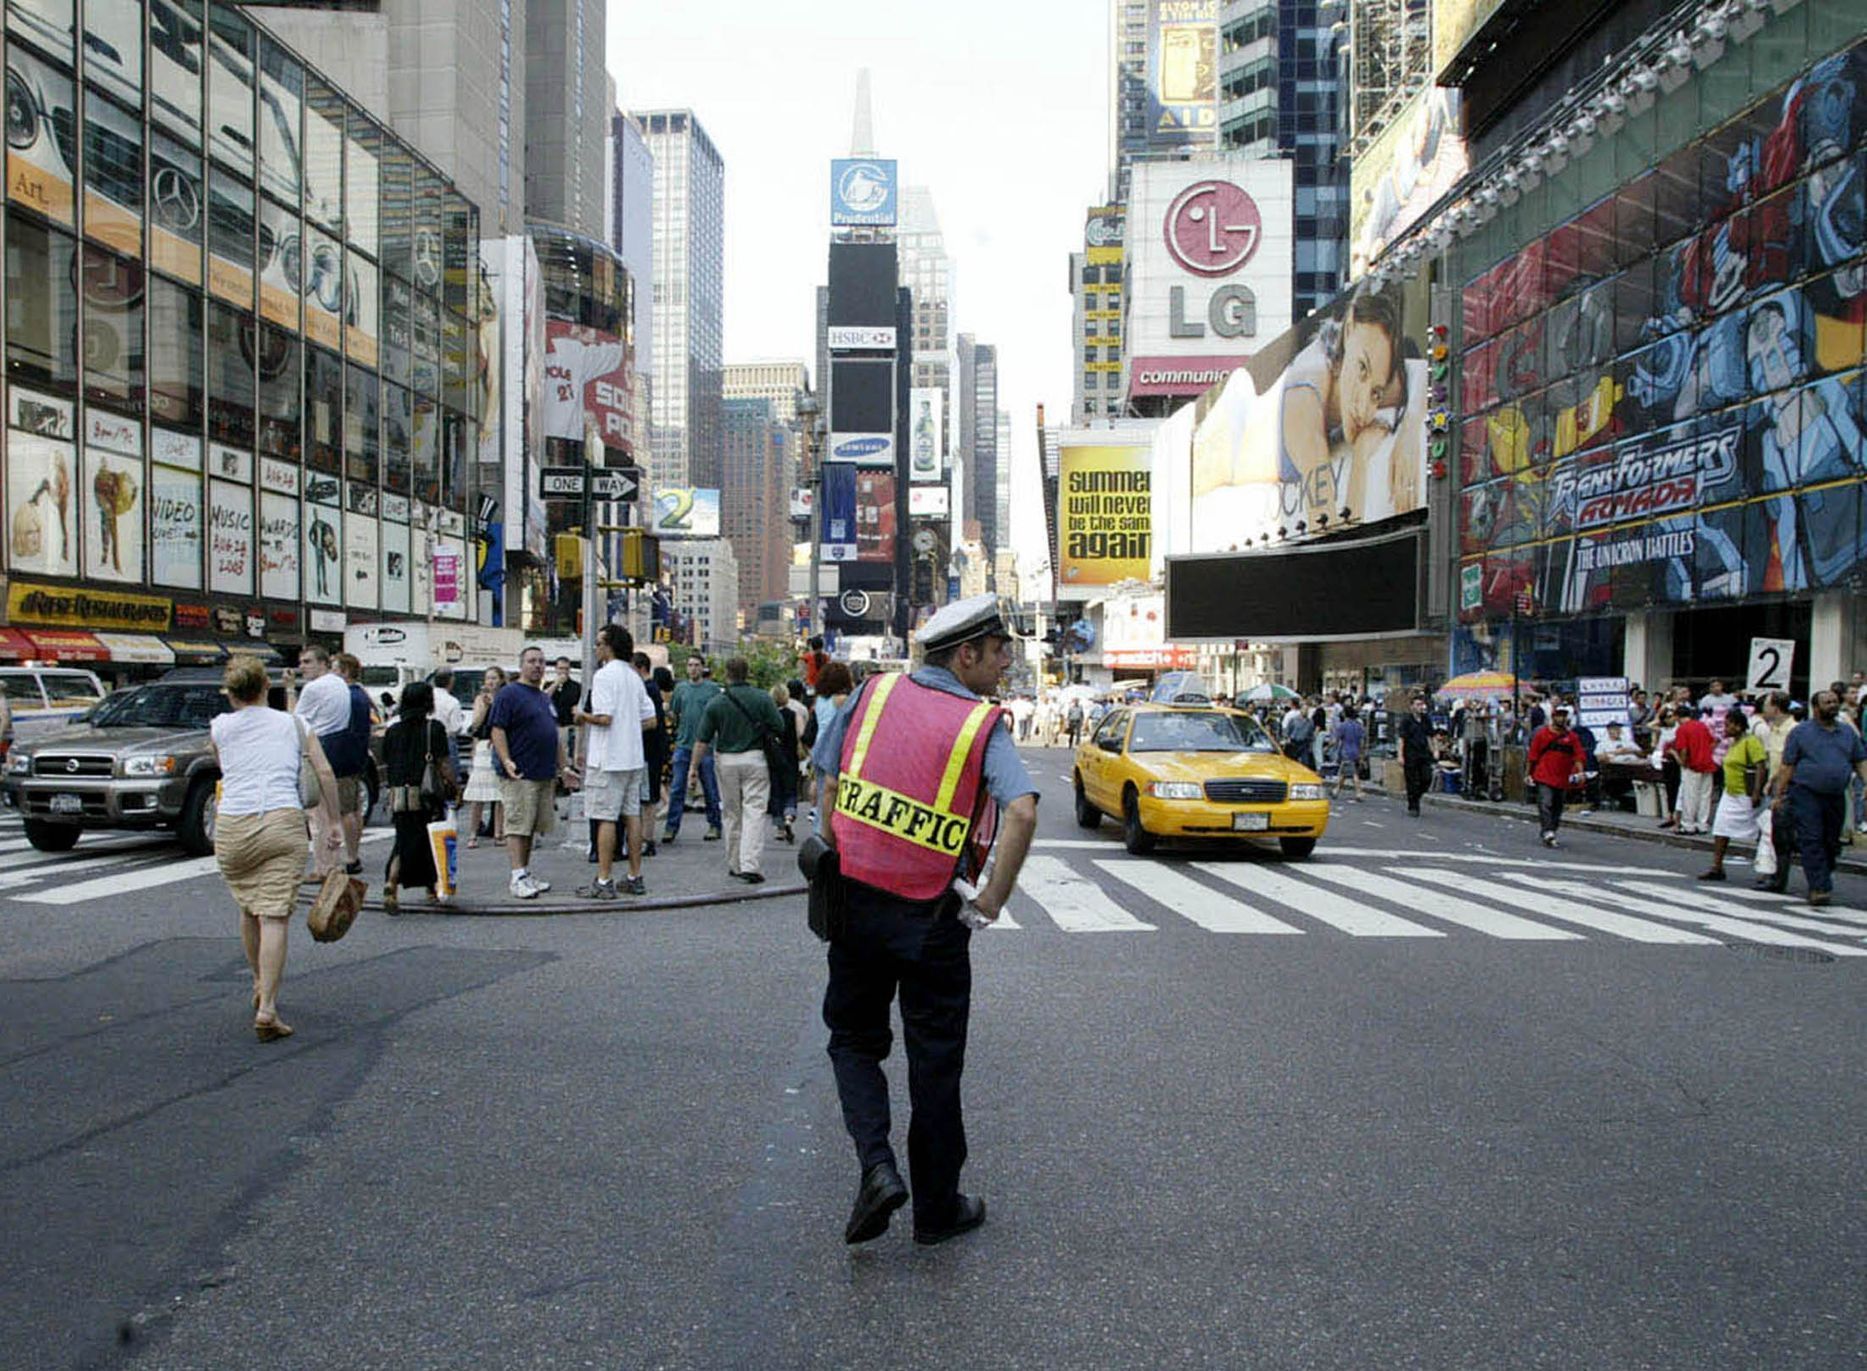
568	550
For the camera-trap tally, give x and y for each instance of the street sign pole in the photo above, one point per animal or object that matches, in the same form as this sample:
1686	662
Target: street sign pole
590	590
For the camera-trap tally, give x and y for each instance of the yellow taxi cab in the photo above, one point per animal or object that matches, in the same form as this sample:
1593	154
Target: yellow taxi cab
1195	770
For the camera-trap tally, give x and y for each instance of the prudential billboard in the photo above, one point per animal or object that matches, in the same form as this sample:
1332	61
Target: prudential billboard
862	191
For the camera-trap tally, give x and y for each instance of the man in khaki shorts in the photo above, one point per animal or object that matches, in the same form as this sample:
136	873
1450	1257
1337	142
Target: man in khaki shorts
615	766
531	758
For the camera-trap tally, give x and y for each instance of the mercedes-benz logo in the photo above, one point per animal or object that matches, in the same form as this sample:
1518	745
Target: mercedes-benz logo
173	196
71	765
427	258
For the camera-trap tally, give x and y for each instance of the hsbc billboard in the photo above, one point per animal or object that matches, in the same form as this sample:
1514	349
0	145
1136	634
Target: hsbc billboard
1209	256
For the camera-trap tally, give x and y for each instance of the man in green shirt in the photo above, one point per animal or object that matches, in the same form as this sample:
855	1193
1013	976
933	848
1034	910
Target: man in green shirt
686	708
736	725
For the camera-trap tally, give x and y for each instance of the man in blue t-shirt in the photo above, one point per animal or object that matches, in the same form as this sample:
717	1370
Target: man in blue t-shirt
1820	758
529	753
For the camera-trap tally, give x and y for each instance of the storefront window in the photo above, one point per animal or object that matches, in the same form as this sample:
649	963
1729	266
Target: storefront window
177	371
324	409
41	304
230	89
175	209
230	238
175	68
230	341
113	329
281	93
280	393
361	188
41	134
324	155
361	449
113	175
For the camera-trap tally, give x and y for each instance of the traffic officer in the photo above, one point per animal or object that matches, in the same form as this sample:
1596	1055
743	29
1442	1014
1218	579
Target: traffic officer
914	770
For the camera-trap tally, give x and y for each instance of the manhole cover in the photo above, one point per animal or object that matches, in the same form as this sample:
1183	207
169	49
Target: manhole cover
1774	953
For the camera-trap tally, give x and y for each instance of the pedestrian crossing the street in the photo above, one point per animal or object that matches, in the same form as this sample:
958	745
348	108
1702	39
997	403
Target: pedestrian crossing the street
1382	895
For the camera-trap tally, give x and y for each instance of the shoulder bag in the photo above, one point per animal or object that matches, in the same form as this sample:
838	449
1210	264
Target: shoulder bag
308	796
772	747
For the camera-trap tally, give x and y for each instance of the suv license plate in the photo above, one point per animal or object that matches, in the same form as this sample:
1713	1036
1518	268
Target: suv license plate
1251	823
74	804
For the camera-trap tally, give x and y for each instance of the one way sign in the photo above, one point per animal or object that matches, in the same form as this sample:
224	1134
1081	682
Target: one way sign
606	483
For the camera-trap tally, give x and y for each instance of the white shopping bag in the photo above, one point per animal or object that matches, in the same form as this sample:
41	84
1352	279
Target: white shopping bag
1766	843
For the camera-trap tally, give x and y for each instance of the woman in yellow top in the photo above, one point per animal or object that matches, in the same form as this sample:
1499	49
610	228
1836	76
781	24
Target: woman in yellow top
1745	763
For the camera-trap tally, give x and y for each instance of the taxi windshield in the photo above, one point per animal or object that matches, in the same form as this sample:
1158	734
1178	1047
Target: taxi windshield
1205	730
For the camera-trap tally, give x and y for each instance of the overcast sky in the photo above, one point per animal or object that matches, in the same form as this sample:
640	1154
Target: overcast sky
998	107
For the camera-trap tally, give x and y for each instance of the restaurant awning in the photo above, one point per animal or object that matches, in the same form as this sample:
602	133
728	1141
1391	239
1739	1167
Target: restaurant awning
13	645
141	648
266	652
66	645
195	651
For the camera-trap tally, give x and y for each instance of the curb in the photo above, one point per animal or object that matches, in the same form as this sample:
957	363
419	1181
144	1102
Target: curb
625	904
1505	809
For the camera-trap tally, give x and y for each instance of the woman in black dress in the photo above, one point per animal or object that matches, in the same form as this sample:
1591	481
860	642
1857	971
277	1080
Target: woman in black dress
655	745
413	741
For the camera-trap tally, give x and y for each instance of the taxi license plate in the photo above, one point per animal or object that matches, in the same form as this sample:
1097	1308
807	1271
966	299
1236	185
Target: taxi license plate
1251	823
67	804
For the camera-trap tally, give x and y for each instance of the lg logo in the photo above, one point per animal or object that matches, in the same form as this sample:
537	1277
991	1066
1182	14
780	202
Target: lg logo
1212	229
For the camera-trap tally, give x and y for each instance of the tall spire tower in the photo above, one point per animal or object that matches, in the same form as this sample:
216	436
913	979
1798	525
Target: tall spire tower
862	135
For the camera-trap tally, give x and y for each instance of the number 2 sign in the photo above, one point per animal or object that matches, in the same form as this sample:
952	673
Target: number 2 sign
1771	660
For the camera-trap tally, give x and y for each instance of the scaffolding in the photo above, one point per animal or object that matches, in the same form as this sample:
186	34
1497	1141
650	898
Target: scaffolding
1390	55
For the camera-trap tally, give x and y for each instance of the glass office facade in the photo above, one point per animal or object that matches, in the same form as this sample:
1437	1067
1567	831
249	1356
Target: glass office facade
1660	390
239	359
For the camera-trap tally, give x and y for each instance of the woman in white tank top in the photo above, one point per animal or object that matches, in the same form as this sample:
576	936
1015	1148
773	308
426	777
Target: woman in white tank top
259	828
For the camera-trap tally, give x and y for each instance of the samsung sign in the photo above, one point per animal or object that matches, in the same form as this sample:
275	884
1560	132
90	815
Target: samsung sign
864	449
862	191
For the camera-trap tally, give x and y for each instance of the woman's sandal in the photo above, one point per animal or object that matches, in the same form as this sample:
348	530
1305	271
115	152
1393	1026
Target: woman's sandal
473	842
391	903
271	1030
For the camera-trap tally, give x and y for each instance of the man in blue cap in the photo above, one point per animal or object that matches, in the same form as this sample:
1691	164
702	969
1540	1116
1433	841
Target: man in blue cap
913	770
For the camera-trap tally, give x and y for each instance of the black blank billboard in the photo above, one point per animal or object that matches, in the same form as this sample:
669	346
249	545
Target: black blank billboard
862	285
862	396
1323	591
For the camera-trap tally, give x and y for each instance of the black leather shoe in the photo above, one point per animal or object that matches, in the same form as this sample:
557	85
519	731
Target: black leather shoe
968	1214
881	1194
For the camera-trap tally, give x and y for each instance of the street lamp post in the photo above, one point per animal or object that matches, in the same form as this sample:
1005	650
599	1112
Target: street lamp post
811	415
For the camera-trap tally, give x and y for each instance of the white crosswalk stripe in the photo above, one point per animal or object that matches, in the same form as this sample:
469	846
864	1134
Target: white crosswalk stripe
1351	916
143	867
1696	906
1077	904
1568	911
1438	905
1212	910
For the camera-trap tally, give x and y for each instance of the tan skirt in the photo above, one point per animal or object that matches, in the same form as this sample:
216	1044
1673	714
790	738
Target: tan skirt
261	858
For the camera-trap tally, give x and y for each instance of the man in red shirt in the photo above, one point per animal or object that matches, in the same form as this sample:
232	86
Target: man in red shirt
1692	749
813	662
1556	763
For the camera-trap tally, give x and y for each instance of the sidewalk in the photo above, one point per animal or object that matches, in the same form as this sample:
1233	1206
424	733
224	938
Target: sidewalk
1637	827
686	873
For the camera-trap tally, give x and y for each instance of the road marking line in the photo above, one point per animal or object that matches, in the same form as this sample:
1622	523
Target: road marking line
1621	925
1438	905
60	868
1351	916
1540	863
122	882
1678	899
1772	899
1212	910
1077	904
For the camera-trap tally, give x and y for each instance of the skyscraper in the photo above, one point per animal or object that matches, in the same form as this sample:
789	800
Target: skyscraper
977	405
761	466
631	234
928	272
1162	83
689	247
1280	90
567	109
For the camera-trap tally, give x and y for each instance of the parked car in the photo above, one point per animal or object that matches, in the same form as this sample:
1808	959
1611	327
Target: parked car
44	699
141	759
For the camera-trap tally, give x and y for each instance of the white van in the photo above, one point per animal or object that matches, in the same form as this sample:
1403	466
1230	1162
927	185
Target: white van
44	699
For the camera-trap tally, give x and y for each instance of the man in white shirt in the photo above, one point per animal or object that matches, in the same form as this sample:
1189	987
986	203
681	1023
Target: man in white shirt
449	714
324	706
1717	702
615	714
1617	749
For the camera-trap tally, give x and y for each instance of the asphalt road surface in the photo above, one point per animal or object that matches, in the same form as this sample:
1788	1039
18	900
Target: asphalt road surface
1432	1098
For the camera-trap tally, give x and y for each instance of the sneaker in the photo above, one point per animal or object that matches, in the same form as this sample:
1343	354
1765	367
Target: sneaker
669	836
597	890
1549	840
634	885
542	885
713	835
524	888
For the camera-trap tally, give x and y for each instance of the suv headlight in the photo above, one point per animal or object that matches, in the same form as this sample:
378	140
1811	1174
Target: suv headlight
19	764
1176	790
1304	790
148	766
